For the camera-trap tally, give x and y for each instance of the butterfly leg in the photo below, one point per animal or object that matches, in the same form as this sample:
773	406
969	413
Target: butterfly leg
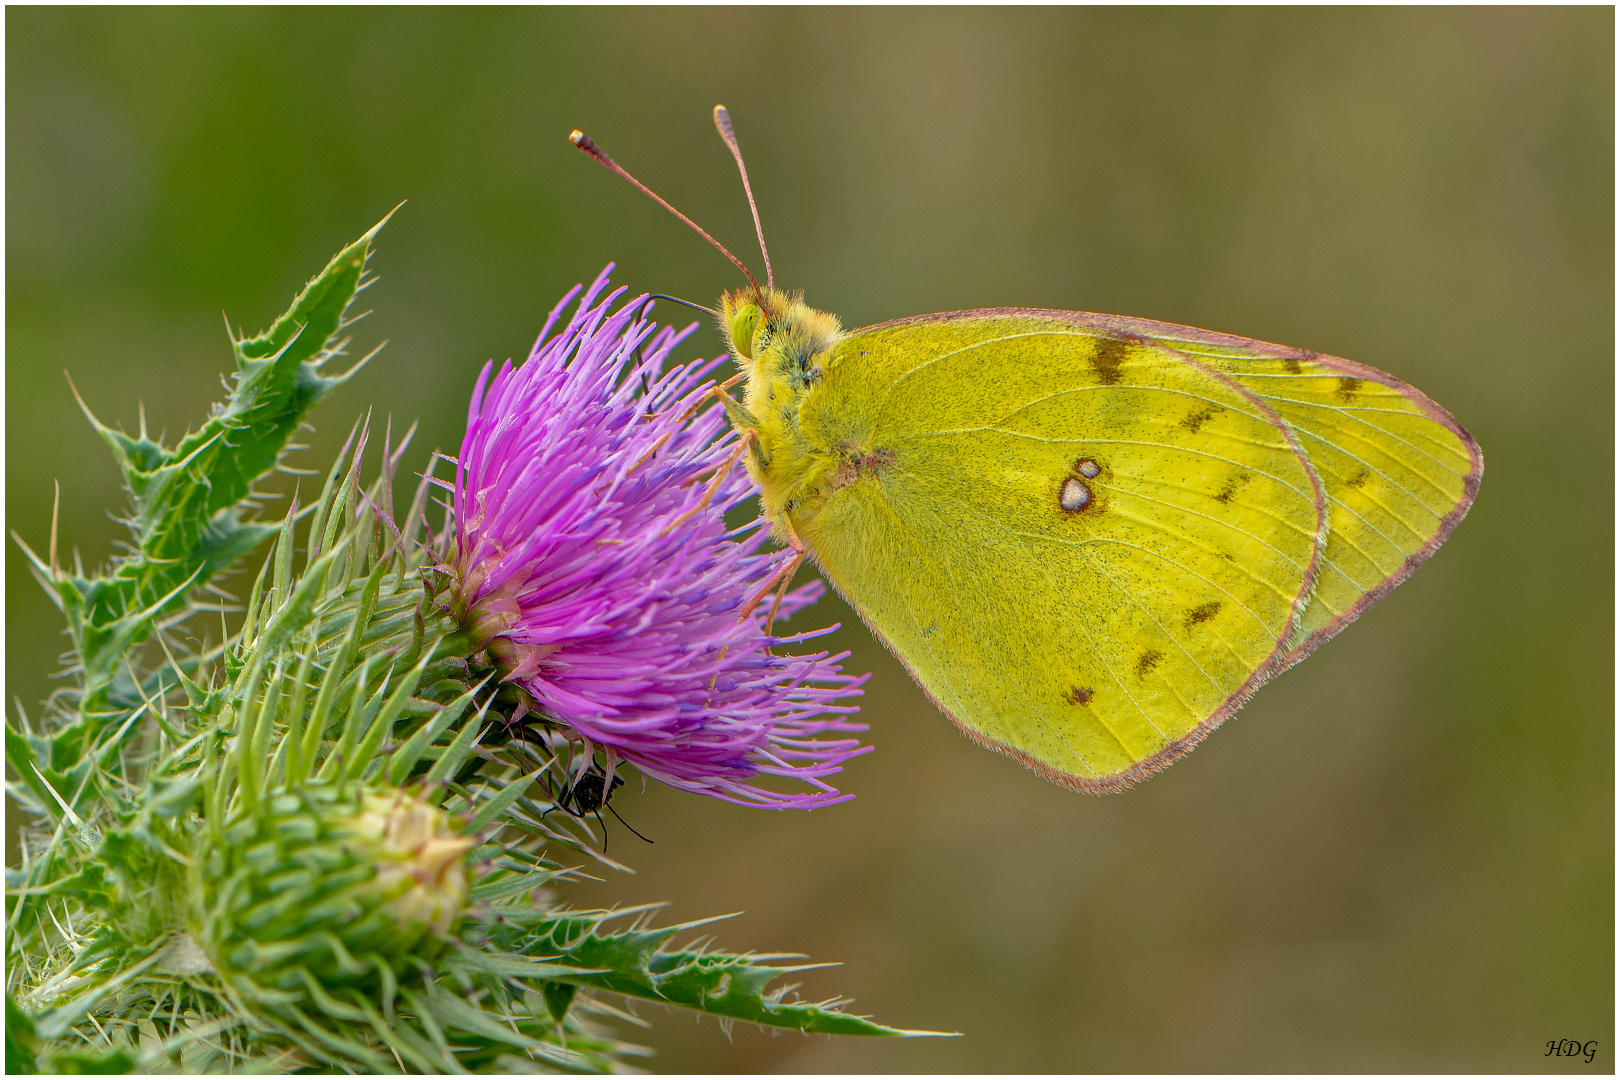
779	581
730	403
720	475
740	418
781	593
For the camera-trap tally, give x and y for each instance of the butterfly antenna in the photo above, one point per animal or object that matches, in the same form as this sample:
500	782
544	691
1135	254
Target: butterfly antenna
722	121
584	142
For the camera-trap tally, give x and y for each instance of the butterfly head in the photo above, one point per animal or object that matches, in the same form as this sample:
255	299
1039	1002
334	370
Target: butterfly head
773	333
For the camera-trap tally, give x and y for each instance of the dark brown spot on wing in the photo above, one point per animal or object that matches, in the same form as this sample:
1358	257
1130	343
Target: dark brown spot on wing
1108	358
1291	365
1147	662
1199	417
1348	387
1080	695
1359	479
1202	613
1233	485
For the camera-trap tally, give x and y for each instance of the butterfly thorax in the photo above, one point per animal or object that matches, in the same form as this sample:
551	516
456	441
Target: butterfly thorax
782	345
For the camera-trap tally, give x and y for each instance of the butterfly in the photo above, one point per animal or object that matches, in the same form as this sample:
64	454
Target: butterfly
1088	538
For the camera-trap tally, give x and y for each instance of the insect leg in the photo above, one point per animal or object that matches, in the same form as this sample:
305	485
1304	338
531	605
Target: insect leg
780	578
740	418
623	822
776	605
551	798
714	485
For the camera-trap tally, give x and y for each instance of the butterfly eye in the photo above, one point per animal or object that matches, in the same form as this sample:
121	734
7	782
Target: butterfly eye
743	325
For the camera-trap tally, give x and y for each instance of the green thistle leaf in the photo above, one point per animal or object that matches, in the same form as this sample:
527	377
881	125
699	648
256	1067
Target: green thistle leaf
191	501
635	962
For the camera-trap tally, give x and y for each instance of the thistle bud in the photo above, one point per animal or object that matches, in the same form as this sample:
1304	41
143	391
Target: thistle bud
336	881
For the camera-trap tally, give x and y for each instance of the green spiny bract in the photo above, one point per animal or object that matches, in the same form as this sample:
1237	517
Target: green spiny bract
316	845
330	883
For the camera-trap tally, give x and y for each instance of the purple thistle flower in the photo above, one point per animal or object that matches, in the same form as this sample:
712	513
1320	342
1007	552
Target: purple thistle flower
573	568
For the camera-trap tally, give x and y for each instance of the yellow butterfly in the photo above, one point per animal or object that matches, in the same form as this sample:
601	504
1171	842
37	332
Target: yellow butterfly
1089	538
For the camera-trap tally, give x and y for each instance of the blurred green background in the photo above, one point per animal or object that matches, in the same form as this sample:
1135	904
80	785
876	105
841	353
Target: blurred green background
1398	857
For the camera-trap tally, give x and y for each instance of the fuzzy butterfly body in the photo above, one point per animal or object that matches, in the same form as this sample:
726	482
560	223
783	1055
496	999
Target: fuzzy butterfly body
1089	538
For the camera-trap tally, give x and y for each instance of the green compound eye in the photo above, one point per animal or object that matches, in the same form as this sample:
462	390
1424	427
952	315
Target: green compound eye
743	325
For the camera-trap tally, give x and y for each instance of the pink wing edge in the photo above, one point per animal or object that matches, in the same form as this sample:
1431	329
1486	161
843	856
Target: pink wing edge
1125	327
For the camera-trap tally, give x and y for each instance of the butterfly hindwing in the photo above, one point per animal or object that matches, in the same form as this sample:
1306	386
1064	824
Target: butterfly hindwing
1398	470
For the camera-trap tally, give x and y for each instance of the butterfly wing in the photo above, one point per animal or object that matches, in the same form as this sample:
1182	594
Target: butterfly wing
1398	470
1088	543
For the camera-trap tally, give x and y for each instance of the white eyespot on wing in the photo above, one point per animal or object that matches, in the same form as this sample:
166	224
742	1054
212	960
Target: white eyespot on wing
1075	495
1087	468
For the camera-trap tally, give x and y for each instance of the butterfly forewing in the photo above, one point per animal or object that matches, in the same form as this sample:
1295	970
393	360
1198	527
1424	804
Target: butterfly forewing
1087	548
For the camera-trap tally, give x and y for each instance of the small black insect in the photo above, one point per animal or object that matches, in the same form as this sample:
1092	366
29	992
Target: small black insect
587	796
